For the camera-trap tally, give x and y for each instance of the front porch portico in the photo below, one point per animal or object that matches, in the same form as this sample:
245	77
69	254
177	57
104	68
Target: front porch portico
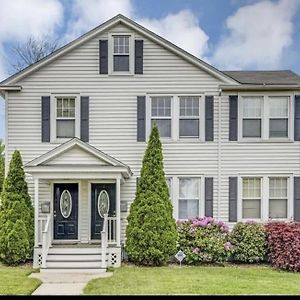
77	196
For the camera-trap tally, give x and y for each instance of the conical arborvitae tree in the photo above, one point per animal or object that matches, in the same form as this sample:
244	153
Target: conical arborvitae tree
16	205
151	232
2	174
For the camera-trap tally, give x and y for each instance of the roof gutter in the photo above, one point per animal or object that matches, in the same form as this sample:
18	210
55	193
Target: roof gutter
259	87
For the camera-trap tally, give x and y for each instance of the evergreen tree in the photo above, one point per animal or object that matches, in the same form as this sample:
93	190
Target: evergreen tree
2	173
151	231
16	206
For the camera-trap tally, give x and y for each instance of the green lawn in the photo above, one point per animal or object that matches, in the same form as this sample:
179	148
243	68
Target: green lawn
14	281
196	280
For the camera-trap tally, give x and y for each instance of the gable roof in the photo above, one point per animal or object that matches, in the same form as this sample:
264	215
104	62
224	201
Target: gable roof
75	142
280	77
105	26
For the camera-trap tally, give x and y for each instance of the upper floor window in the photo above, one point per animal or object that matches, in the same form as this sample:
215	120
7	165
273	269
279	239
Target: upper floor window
252	114
161	114
265	117
65	117
278	107
121	53
189	117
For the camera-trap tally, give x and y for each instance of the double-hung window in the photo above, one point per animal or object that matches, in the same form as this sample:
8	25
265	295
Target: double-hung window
251	198
252	117
189	117
189	198
278	116
65	117
121	53
278	198
161	115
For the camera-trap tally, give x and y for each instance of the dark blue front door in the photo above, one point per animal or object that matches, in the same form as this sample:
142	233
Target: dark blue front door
103	200
65	213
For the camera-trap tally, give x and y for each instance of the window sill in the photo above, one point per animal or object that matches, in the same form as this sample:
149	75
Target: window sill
184	141
61	140
121	74
271	141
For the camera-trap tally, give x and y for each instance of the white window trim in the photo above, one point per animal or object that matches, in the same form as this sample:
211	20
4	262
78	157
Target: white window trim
265	196
53	104
175	116
265	117
175	193
110	53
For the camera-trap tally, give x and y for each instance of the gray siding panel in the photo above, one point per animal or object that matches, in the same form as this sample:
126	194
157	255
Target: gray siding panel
233	199
233	118
297	199
103	56
209	118
46	119
84	115
141	118
297	118
209	196
138	61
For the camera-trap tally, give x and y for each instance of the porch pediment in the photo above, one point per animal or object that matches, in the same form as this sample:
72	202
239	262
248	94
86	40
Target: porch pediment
76	156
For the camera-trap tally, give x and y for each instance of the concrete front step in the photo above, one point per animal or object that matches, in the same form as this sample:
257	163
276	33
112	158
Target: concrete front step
72	251
71	271
73	264
74	257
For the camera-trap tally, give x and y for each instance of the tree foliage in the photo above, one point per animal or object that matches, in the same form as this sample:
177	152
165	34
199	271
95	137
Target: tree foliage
151	231
16	215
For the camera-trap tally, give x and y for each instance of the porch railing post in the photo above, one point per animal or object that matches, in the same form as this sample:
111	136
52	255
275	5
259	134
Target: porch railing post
36	212
118	211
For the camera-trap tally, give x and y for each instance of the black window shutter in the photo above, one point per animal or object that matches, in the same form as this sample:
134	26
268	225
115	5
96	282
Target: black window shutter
84	116
209	192
233	199
45	119
297	199
209	118
138	60
103	57
233	118
141	118
297	119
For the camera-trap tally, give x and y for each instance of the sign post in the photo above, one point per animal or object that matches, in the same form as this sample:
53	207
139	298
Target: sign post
180	256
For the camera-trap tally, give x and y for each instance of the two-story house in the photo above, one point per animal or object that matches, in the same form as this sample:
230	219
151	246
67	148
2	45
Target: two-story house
81	118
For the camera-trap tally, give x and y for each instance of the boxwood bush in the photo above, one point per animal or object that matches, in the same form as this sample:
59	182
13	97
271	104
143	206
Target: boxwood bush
283	240
248	243
203	240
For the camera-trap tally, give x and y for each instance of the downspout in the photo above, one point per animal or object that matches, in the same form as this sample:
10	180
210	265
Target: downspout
6	132
219	154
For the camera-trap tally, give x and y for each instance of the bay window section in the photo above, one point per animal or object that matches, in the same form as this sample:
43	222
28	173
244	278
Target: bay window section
278	116
161	115
189	198
252	117
251	198
189	117
278	198
65	117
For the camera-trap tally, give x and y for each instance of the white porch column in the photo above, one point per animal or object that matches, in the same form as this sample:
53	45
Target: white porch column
118	210
36	211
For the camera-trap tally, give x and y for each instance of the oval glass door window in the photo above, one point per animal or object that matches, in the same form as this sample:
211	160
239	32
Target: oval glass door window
66	204
103	203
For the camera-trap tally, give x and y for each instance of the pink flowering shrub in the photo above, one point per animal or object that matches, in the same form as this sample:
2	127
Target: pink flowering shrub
248	242
204	240
284	245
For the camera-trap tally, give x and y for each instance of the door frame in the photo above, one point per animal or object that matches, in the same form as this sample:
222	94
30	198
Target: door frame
79	211
90	182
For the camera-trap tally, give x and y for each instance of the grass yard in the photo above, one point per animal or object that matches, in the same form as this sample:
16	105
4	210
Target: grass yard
229	280
14	280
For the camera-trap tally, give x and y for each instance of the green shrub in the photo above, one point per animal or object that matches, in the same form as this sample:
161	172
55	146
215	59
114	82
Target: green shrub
16	206
151	231
14	239
249	243
203	240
